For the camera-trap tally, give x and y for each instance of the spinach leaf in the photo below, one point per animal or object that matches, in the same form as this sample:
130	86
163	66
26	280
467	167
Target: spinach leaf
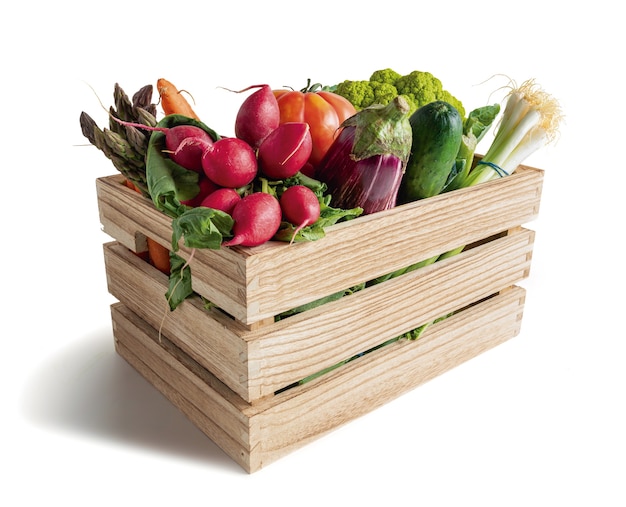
313	232
201	227
179	283
168	182
328	214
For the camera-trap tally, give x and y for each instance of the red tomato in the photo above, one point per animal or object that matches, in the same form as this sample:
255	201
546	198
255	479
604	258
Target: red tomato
324	112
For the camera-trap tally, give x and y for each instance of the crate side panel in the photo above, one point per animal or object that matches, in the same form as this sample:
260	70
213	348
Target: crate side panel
124	214
115	224
124	211
304	344
215	411
373	245
377	378
211	338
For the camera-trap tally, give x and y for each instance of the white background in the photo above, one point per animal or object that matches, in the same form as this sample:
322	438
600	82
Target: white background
537	421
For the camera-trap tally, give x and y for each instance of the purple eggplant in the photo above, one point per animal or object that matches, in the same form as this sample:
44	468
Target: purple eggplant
365	164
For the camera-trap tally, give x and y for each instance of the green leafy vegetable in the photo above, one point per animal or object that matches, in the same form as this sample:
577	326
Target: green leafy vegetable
168	182
328	214
413	335
320	301
201	227
179	283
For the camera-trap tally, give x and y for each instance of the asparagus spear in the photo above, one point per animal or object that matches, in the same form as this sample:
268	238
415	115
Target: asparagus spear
125	146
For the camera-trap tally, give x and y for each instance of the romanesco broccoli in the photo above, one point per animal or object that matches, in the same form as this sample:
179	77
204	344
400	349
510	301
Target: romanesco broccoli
385	76
418	87
360	93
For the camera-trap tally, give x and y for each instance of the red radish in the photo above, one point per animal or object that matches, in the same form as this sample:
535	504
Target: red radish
206	187
256	219
258	115
285	150
230	162
300	206
185	143
223	199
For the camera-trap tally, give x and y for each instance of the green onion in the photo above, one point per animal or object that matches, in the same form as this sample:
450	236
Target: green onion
529	121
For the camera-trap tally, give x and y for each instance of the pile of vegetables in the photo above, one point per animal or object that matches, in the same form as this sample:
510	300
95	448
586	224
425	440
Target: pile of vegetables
363	146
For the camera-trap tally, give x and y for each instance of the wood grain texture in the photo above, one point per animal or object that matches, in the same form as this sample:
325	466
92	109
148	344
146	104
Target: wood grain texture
256	363
228	368
253	284
255	435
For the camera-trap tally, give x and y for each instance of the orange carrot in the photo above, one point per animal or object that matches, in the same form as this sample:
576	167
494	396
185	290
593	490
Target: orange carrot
131	185
159	256
173	101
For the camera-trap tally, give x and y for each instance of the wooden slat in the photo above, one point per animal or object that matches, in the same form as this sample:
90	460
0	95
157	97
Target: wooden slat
256	435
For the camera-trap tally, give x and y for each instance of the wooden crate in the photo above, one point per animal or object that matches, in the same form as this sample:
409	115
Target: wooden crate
228	368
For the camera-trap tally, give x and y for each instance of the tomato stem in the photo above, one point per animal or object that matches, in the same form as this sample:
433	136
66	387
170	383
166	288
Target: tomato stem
311	88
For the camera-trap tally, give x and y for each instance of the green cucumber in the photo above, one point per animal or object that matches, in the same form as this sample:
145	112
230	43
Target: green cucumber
437	131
